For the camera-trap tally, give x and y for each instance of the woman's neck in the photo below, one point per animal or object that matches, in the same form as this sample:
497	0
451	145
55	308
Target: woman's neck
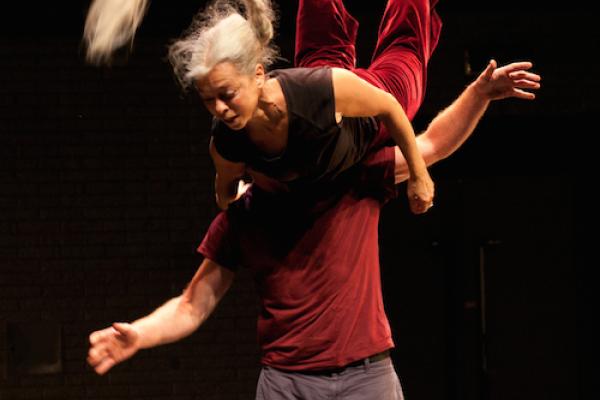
268	129
271	110
272	101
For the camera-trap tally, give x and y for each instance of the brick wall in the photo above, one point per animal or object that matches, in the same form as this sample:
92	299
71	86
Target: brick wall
106	192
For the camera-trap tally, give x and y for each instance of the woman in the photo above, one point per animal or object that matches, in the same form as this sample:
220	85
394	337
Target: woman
306	126
300	126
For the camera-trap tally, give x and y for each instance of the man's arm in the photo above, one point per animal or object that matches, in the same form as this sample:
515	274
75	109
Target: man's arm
174	320
450	128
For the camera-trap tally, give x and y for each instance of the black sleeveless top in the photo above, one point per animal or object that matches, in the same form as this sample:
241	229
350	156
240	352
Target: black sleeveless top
318	148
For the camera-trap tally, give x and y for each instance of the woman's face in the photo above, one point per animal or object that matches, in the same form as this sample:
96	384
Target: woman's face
230	96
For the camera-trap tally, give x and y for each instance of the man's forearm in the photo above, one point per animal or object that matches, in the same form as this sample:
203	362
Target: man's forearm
170	322
447	131
182	315
451	127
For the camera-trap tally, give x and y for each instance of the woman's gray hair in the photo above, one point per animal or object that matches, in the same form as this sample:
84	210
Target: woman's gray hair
220	33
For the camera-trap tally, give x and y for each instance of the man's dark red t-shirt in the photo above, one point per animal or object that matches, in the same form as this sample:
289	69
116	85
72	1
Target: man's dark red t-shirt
315	261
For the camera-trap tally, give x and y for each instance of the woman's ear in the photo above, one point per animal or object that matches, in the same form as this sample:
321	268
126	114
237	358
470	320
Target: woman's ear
259	75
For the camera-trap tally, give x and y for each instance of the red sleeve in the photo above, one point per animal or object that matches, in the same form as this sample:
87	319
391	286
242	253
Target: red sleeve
220	243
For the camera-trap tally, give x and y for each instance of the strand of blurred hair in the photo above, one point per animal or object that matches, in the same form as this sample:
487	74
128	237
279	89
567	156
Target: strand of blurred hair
110	25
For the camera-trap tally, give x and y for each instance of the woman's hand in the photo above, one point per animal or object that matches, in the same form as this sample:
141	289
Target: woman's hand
420	192
242	187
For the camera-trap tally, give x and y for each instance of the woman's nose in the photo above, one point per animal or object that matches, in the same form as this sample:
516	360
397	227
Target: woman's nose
221	107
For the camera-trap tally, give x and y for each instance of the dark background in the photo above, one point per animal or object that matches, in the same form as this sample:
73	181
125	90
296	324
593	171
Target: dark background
106	190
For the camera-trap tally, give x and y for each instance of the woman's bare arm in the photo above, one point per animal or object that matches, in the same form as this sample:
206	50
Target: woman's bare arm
227	178
354	97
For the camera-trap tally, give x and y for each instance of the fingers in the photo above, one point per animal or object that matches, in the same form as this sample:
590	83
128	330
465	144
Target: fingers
516	75
242	187
111	346
517	66
104	366
94	338
420	194
103	357
103	344
101	350
522	80
522	94
100	360
101	335
521	84
122	328
526	84
95	355
489	70
420	207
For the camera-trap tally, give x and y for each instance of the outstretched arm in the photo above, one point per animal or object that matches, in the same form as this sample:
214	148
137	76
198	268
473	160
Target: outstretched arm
354	97
450	128
174	320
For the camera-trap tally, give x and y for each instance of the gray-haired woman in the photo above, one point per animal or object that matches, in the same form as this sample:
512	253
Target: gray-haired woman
304	127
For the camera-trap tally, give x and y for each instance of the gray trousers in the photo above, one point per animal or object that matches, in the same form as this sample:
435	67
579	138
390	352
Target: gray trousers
370	381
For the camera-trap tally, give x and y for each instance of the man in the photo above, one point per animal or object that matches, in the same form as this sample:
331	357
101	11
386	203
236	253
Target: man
314	257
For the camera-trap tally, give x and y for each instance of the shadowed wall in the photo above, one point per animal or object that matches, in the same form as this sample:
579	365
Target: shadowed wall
106	190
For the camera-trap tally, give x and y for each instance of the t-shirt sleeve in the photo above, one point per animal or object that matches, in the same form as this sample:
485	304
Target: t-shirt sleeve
220	244
309	93
377	177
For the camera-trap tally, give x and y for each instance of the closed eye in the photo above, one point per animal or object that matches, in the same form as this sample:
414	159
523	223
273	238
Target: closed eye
228	95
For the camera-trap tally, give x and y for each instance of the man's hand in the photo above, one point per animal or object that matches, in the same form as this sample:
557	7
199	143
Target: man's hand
512	80
111	346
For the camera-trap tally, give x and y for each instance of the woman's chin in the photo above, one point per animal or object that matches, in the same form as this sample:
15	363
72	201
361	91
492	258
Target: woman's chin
234	123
